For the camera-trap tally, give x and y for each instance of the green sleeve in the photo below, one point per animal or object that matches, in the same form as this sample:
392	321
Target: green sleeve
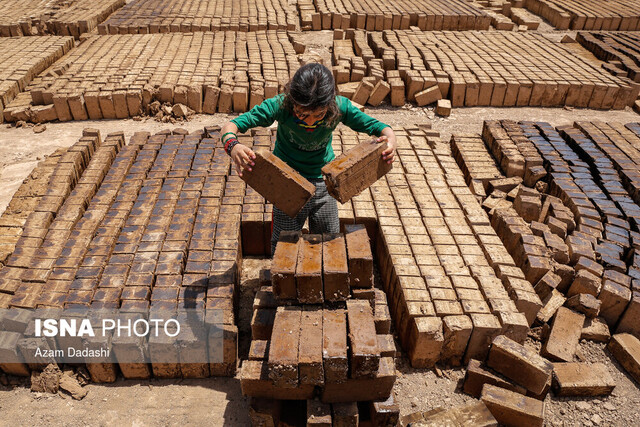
263	115
357	120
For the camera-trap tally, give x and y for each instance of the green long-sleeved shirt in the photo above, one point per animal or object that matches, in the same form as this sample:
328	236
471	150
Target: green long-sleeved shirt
305	150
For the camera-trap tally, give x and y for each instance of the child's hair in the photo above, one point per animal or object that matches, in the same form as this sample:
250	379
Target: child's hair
312	87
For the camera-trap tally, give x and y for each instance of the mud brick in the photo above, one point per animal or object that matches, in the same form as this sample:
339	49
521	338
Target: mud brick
615	298
626	350
546	284
309	269
385	413
579	247
382	318
514	325
630	320
565	335
519	364
228	334
360	257
318	413
277	182
258	350
586	304
283	266
595	330
512	409
283	351
335	267
380	91
478	375
585	283
582	379
552	303
162	347
485	328
255	382
363	92
443	108
504	184
12	360
310	348
363	389
428	96
425	341
357	169
457	331
345	414
590	265
387	345
334	346
262	323
365	355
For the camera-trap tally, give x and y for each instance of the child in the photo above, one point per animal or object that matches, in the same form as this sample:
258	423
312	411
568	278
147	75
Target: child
307	113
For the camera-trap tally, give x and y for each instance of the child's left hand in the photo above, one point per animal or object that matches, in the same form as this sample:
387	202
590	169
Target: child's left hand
387	135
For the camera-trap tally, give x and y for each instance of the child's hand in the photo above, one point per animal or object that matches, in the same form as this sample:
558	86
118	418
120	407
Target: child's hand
242	157
389	154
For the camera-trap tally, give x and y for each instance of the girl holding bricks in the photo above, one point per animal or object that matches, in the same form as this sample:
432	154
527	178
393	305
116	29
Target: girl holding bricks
307	113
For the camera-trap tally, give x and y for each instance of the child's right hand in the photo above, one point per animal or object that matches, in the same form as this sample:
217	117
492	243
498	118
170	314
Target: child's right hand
243	158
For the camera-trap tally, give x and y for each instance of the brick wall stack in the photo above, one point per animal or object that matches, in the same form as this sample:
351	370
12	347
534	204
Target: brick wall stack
617	49
22	60
71	18
161	16
233	72
438	15
616	15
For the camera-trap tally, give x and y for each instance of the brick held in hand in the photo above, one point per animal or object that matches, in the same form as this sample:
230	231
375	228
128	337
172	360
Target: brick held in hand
355	170
279	183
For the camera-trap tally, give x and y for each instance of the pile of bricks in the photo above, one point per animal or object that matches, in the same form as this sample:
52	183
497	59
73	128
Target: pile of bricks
426	15
123	76
24	202
613	15
138	229
619	50
41	17
162	16
423	67
574	223
335	345
23	59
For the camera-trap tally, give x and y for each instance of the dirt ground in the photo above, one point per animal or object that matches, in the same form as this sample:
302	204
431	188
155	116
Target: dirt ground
218	401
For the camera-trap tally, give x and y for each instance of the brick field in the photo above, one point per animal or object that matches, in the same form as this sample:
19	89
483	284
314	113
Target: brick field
616	15
39	54
207	72
501	256
473	69
40	17
161	16
426	15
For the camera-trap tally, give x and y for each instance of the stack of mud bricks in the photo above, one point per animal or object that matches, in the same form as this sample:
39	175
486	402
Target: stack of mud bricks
23	203
439	15
234	72
440	261
153	225
493	82
477	164
161	16
334	342
614	15
581	250
615	48
359	74
34	17
23	59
